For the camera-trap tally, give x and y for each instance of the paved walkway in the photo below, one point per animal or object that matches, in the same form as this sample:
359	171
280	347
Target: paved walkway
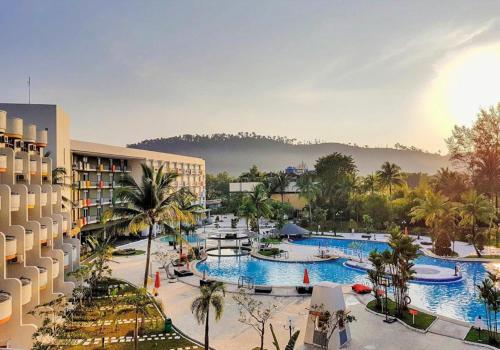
369	332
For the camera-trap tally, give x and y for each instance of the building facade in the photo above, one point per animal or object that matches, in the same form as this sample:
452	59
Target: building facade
40	228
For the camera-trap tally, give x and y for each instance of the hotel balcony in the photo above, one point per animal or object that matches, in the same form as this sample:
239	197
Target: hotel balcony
55	229
3	163
25	290
43	199
54	197
31	200
43	233
28	239
42	281
55	267
18	166
15	201
92	219
10	247
75	256
33	167
45	169
66	259
65	225
5	307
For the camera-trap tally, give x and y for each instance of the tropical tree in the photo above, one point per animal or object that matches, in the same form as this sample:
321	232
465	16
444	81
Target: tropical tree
151	202
247	210
390	175
475	209
308	189
370	182
254	312
211	295
281	181
375	275
261	202
189	209
291	341
450	183
252	175
433	210
52	334
140	303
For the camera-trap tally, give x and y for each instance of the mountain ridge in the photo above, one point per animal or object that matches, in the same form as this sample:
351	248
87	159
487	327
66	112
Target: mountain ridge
235	153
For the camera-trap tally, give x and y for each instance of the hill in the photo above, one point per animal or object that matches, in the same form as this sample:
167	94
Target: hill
236	153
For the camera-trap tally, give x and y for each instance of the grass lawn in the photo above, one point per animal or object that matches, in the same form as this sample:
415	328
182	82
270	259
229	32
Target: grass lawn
473	336
82	327
269	251
422	320
128	252
271	240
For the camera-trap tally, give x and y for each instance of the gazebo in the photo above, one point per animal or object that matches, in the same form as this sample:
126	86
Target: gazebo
292	230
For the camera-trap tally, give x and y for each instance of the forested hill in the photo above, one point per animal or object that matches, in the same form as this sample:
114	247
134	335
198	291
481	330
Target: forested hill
236	153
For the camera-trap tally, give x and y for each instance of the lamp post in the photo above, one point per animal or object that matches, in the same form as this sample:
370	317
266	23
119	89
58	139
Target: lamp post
386	283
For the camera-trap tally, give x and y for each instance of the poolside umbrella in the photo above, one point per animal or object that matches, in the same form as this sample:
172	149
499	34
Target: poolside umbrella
306	277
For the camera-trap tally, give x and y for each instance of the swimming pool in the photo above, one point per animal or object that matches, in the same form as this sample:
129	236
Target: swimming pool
458	300
192	238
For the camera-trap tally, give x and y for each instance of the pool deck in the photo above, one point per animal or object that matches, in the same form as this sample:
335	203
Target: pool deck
369	332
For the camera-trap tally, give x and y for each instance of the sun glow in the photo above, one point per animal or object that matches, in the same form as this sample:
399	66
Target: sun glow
463	84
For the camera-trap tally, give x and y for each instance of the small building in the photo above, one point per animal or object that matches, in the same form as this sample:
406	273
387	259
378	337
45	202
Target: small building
327	299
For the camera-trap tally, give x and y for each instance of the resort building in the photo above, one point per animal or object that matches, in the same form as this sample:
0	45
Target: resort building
96	169
37	244
41	221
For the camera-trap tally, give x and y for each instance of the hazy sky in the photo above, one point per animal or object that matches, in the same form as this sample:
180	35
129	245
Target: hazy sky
367	72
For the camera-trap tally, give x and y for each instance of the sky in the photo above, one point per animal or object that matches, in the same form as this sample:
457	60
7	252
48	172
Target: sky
371	73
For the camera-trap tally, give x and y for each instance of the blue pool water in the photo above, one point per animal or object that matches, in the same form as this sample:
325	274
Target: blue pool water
458	300
192	238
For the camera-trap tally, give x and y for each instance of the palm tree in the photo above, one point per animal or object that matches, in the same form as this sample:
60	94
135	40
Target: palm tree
450	183
190	210
281	181
262	203
474	209
151	202
390	175
308	189
432	210
139	302
370	182
247	210
210	295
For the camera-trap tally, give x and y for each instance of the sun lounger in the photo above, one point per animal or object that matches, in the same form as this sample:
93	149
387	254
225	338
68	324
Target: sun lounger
182	272
263	289
304	290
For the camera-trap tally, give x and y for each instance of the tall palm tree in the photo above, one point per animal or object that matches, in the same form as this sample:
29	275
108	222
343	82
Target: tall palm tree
151	202
451	183
211	295
247	210
370	182
475	209
190	210
308	189
390	175
262	203
432	210
281	181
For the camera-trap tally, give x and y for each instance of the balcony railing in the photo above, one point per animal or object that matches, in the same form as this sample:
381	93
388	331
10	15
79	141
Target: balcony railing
45	169
18	166
25	290
3	163
15	202
55	267
33	167
66	259
10	247
65	225
31	200
42	279
43	198
55	229
28	239
54	197
43	233
5	307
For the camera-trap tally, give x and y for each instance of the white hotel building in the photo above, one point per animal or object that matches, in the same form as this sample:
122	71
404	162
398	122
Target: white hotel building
39	237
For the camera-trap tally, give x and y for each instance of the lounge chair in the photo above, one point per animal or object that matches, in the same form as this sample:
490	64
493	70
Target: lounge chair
359	288
182	272
304	289
263	289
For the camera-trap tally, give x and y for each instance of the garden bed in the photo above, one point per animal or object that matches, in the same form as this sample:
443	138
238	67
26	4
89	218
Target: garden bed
422	319
473	337
128	252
